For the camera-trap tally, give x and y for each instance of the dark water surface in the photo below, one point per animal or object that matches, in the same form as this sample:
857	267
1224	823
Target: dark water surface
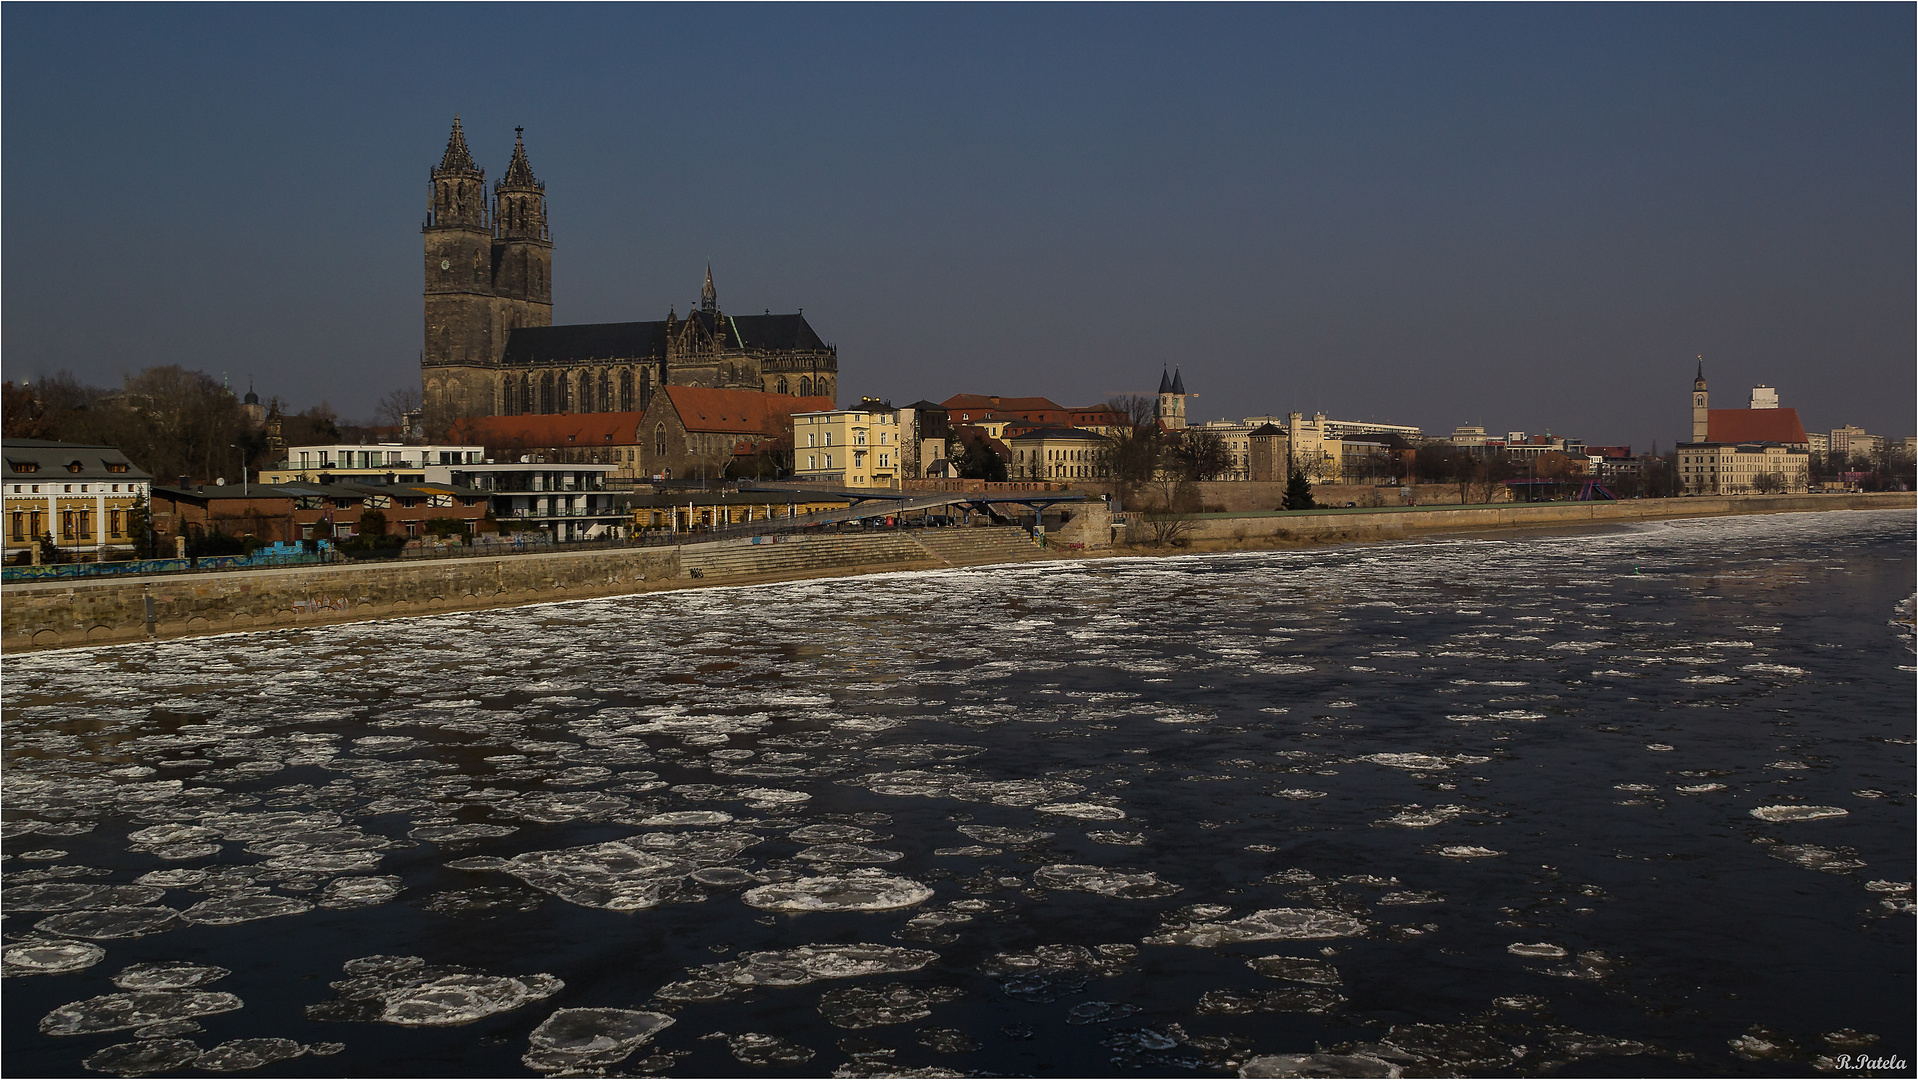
1629	803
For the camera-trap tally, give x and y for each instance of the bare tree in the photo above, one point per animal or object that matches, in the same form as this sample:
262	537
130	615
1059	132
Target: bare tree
396	405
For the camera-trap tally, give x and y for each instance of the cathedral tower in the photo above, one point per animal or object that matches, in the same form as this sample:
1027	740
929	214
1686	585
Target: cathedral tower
459	345
1701	406
522	248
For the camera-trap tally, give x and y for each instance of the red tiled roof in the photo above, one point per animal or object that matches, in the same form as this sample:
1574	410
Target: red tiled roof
740	412
1754	426
570	429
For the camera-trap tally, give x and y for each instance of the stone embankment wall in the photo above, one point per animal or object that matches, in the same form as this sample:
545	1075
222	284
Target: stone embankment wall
40	615
1286	528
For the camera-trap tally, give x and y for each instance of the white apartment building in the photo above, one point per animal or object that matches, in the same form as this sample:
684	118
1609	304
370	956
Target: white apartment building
347	463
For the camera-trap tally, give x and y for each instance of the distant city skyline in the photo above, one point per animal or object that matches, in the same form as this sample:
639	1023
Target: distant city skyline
1528	218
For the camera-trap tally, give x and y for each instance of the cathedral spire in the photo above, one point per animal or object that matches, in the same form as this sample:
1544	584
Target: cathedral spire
709	296
457	159
519	172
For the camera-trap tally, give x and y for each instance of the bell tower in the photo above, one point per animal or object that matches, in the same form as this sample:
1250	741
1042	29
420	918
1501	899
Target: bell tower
1701	407
522	248
459	349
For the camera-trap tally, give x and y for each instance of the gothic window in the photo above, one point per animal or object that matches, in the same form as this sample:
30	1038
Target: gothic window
586	392
780	387
626	390
526	402
606	400
645	386
546	392
562	389
805	386
659	440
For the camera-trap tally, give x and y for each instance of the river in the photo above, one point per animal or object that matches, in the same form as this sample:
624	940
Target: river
1616	802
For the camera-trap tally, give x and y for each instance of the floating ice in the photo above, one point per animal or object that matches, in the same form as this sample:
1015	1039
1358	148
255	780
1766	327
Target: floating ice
1316	999
1466	851
859	1007
241	1055
245	907
143	1058
1813	857
1698	789
1117	839
103	924
993	834
1083	810
453	834
836	834
1290	1065
1298	794
849	854
794	967
1296	969
1271	924
617	875
574	1040
1419	818
1099	1012
1537	951
357	892
168	976
171	879
1101	881
1797	813
855	890
404	990
118	1012
689	817
1423	762
764	1051
49	957
936	752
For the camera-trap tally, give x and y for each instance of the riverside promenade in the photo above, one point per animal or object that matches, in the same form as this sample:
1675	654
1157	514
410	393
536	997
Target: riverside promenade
51	615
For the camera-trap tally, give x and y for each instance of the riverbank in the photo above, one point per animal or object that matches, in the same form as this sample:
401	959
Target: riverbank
52	615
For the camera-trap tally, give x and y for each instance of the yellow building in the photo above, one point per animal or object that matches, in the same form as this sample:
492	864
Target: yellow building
1059	453
81	496
847	448
1735	469
713	509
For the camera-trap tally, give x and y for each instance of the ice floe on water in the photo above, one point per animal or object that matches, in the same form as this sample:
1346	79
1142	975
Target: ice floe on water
1271	924
49	957
407	991
135	1009
107	923
855	890
766	1051
1797	813
176	975
1103	882
883	1004
798	966
573	1041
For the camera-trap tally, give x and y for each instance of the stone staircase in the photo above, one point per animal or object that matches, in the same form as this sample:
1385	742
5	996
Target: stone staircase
977	547
803	556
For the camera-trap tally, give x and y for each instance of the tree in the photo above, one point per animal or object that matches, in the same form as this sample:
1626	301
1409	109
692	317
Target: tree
23	415
1195	454
372	523
1769	483
396	406
1298	493
140	527
1132	459
1172	520
975	459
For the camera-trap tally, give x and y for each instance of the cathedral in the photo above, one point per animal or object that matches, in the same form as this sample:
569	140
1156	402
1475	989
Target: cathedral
491	348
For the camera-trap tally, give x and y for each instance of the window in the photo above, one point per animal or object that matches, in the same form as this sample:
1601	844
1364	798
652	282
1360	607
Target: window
811	439
828	442
116	466
25	466
828	461
66	525
19	525
86	524
812	462
659	439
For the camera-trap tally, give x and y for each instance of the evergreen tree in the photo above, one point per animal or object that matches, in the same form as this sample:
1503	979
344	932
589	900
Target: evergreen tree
1298	493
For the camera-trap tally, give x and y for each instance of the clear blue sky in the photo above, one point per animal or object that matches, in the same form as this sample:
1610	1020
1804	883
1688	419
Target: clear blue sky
1530	217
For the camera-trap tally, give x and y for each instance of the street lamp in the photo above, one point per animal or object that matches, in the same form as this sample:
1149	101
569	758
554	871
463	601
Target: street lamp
242	453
